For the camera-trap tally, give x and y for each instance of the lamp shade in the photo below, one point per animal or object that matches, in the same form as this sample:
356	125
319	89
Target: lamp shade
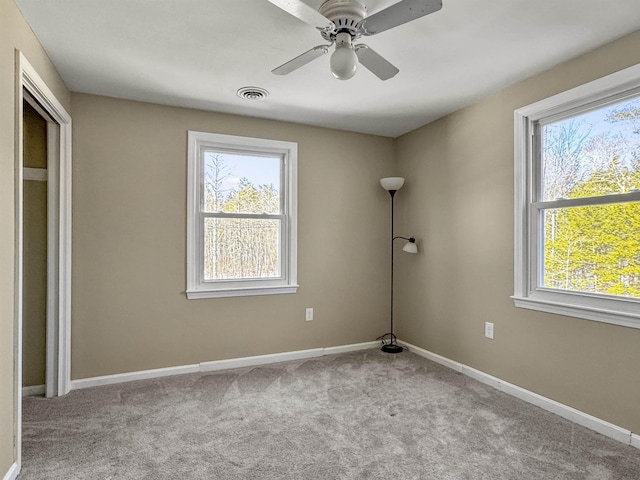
392	183
410	247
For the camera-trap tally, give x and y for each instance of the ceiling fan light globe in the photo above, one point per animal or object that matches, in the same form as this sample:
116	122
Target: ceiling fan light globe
344	63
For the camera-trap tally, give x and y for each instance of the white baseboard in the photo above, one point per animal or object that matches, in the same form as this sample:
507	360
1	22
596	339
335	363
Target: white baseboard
132	376
218	365
354	347
601	426
260	360
33	390
13	472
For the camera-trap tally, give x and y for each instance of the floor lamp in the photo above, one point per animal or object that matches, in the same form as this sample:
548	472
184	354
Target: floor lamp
392	185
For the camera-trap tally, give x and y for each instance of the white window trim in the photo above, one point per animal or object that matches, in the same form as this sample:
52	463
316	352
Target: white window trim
196	288
602	308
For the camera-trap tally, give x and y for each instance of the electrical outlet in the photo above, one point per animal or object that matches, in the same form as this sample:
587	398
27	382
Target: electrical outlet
309	314
488	330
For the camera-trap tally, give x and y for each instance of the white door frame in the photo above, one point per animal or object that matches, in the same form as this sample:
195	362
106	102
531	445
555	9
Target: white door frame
58	245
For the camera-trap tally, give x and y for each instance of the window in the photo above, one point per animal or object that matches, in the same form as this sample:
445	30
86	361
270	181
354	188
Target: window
577	217
241	216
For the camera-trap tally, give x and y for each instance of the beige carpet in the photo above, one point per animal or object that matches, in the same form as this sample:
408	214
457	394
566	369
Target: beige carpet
362	415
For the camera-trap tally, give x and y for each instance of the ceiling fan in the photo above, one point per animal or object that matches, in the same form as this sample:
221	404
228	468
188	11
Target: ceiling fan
341	22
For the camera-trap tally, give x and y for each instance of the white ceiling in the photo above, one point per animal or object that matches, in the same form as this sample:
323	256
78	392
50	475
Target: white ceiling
198	53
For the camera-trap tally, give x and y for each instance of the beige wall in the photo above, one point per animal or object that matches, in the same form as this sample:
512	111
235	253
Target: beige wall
34	280
129	309
459	202
14	34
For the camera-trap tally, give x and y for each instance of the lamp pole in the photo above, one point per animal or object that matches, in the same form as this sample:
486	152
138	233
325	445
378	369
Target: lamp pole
392	346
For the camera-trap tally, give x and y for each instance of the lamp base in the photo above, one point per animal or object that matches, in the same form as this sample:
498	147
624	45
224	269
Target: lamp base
392	348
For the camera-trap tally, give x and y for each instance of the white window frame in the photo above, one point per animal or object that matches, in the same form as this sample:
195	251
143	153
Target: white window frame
528	292
197	287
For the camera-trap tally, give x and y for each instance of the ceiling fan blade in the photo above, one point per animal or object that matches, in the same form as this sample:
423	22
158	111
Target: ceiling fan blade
397	14
301	60
304	12
375	63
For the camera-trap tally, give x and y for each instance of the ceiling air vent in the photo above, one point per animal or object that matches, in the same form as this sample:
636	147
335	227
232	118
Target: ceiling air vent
252	93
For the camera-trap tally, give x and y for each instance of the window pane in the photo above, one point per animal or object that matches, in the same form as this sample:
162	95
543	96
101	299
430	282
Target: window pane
593	249
592	154
237	248
237	183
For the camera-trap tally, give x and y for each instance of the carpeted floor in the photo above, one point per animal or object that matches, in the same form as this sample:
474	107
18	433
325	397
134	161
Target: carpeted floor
361	415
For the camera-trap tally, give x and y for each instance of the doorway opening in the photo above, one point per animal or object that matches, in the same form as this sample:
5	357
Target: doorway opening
42	244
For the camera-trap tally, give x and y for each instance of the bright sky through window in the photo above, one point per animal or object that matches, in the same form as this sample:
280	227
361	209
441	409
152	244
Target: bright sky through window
257	169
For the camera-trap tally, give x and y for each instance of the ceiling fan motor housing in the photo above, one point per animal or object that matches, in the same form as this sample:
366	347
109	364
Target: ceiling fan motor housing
345	14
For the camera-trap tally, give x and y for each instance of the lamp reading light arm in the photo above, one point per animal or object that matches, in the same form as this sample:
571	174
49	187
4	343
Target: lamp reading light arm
410	239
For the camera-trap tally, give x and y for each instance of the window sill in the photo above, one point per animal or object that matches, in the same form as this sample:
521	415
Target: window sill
241	292
604	312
